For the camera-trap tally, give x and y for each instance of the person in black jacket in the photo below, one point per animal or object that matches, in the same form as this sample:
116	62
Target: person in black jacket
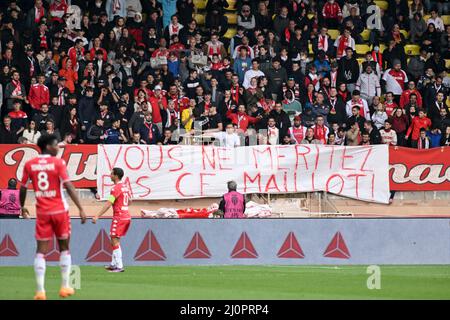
96	133
283	122
277	76
337	113
373	132
348	69
149	131
7	134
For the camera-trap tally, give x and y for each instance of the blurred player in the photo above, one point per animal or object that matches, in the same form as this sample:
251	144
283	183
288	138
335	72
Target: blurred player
119	199
48	175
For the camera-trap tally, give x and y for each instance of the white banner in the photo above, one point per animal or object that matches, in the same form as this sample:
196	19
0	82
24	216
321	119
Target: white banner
181	172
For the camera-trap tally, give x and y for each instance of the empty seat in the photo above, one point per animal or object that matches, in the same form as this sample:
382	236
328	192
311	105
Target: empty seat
333	33
405	33
231	32
362	48
446	19
382	4
412	49
200	4
365	34
232	18
200	18
447	63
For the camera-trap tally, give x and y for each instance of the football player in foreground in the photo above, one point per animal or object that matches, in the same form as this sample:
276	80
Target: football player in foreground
48	176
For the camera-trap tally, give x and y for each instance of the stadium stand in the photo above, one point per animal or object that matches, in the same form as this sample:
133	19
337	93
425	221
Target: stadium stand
91	73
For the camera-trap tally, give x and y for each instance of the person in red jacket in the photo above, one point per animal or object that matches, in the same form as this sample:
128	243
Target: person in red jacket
404	98
332	14
39	94
76	53
420	122
158	102
241	119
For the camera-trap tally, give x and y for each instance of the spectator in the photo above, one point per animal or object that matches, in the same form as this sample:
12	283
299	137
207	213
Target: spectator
7	133
388	136
31	133
423	141
414	130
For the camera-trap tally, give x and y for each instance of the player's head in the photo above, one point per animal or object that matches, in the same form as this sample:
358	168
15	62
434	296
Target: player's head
116	174
48	143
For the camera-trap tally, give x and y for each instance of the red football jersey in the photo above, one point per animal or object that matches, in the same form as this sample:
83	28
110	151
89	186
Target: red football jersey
47	175
120	198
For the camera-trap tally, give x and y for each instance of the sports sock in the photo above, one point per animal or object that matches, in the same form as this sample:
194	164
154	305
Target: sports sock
39	271
65	262
117	256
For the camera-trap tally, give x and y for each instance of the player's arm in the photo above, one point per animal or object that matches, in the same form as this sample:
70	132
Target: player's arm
73	195
108	204
23	197
23	192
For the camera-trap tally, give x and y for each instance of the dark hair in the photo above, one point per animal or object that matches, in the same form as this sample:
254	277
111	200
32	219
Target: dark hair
46	140
118	172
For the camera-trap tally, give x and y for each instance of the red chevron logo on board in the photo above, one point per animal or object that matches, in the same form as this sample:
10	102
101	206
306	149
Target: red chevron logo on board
291	248
197	248
337	248
8	248
101	250
150	249
244	248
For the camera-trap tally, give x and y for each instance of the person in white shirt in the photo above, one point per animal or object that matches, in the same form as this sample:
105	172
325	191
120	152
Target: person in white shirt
227	138
436	20
368	84
254	72
356	100
388	135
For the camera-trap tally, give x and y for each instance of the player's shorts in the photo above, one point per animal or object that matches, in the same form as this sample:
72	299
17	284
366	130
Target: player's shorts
119	228
49	225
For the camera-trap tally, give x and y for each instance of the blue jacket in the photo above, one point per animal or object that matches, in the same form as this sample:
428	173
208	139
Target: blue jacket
241	66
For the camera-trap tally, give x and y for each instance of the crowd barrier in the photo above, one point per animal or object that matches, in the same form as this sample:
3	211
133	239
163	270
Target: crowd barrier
249	242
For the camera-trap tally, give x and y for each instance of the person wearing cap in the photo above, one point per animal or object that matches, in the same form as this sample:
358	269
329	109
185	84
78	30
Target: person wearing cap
395	80
96	133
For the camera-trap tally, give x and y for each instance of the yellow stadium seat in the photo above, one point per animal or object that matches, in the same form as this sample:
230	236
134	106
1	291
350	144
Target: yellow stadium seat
310	49
231	5
310	15
365	34
360	60
447	63
382	47
362	48
412	49
426	17
333	33
200	4
200	18
232	18
231	32
382	4
405	33
446	19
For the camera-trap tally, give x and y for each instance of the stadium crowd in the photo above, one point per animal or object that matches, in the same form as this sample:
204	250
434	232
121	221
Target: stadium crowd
146	72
